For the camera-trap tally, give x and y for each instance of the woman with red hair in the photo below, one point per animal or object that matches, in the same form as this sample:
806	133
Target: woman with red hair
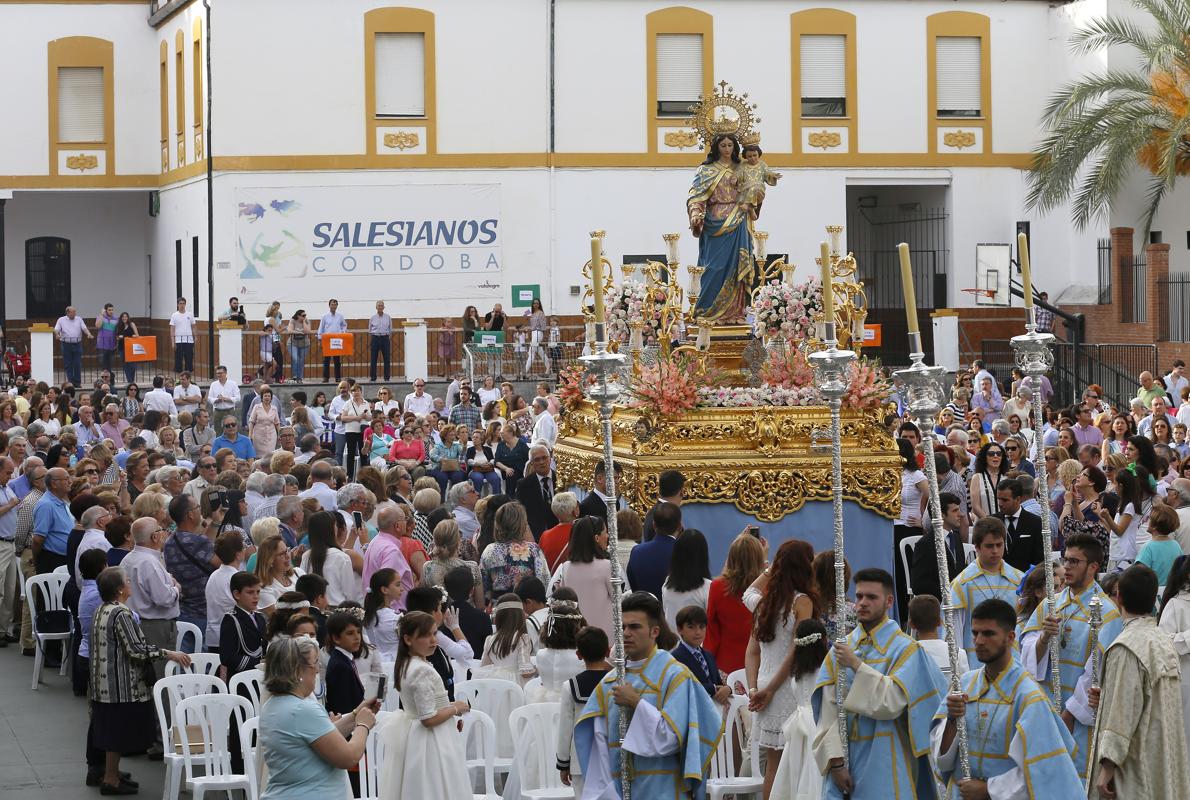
779	599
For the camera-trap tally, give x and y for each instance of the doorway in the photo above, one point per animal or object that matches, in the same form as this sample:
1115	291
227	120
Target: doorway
47	277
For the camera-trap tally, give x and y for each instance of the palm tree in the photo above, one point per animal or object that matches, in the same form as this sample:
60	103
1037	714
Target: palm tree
1100	127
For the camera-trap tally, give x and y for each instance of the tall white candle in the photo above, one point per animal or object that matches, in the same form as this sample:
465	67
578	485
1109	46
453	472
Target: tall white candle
1022	249
597	278
907	288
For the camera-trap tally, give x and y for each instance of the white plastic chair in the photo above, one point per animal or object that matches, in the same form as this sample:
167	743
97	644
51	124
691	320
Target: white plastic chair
62	570
167	693
44	593
200	664
370	765
248	684
738	681
725	775
906	550
535	733
189	629
211	717
249	742
497	698
532	686
479	743
968	553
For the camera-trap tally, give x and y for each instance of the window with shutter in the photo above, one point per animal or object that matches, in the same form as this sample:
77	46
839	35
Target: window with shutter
824	76
400	75
679	73
80	104
959	83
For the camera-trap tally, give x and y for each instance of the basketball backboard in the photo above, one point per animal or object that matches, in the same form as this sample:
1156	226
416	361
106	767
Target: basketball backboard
993	270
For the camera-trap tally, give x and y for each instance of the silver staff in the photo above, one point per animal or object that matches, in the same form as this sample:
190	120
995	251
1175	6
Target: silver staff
924	392
1035	359
606	366
1096	623
830	367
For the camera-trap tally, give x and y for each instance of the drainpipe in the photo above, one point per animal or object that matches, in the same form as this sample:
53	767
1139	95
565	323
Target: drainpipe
550	154
210	204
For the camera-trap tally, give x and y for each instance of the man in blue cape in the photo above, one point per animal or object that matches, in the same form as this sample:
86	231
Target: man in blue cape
675	725
989	576
1071	624
1006	713
894	689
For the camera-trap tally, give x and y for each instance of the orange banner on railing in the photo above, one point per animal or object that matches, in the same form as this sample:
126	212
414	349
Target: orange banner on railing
140	348
337	344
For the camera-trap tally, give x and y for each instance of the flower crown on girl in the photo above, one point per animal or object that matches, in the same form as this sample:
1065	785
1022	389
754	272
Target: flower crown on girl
561	609
354	611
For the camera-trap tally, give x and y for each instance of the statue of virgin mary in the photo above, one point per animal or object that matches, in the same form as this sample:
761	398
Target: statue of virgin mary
719	218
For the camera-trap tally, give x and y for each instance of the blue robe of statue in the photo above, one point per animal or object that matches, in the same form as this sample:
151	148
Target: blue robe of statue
888	757
665	683
1012	707
725	246
1074	640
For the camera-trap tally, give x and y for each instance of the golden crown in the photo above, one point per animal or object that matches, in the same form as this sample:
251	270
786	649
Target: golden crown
724	112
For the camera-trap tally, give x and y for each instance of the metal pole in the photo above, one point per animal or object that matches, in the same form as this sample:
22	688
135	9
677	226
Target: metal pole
924	390
1034	357
605	391
830	367
1096	623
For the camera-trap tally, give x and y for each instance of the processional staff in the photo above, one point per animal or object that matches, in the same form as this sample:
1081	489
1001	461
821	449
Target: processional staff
606	366
1096	610
1034	358
924	394
830	367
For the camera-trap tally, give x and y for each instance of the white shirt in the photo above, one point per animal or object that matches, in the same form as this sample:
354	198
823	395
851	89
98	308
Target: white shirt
545	429
187	397
219	600
181	325
332	323
161	400
937	650
383	633
335	408
223	395
342	582
673	601
419	405
386	406
195	487
324	494
270	593
93	539
488	395
1176	385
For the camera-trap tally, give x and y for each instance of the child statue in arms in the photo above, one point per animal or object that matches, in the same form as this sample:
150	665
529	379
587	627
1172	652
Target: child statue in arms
755	175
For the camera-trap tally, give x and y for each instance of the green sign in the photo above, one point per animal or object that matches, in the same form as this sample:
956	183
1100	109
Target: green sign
489	341
523	295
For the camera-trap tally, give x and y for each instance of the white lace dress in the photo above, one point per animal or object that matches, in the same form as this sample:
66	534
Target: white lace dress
554	667
516	666
421	762
770	722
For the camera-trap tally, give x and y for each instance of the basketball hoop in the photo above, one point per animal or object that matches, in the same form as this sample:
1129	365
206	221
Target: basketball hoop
980	292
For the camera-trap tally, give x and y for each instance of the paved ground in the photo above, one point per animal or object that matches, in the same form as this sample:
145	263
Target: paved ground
42	737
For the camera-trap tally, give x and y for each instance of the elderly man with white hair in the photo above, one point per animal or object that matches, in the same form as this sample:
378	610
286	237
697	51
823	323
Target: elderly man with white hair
271	490
8	560
545	428
290	515
155	594
536	490
254	491
355	497
461	503
93	520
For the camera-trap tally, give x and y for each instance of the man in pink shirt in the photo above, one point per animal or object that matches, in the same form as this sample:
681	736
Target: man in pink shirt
385	551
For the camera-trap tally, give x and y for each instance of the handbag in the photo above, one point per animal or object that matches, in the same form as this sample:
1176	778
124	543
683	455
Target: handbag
449	465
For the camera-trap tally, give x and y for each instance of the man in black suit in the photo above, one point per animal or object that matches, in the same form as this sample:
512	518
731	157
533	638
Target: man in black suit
536	491
670	485
1023	545
595	504
923	566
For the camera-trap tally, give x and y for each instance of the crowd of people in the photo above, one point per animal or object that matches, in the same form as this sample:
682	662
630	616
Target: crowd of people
292	335
330	543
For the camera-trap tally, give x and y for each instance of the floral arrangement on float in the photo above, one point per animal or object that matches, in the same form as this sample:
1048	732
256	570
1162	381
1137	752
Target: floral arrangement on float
635	300
782	310
572	383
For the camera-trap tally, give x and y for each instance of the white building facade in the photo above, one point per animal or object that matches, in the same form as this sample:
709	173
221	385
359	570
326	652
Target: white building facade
460	151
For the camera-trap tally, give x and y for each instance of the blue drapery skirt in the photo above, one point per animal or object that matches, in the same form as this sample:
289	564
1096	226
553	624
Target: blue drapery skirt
721	251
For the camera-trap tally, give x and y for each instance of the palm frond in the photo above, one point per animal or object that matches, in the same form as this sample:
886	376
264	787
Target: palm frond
1110	32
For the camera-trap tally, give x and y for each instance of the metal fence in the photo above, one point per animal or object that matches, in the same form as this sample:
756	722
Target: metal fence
1115	367
509	361
1103	253
873	234
1134	291
1175	322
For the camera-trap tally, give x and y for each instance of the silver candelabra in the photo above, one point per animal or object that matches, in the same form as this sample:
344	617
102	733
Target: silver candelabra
606	367
1034	358
830	368
924	395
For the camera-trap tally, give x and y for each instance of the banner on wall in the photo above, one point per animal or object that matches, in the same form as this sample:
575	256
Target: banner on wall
413	242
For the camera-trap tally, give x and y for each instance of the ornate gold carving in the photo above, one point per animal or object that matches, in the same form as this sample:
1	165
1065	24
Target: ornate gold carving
402	140
825	139
959	139
723	112
198	145
181	151
681	139
759	459
82	162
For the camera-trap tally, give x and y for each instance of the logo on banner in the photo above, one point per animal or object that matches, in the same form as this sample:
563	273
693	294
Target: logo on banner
138	349
337	343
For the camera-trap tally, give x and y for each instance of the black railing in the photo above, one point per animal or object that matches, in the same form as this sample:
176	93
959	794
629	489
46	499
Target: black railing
1115	367
1133	305
1175	322
1104	261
